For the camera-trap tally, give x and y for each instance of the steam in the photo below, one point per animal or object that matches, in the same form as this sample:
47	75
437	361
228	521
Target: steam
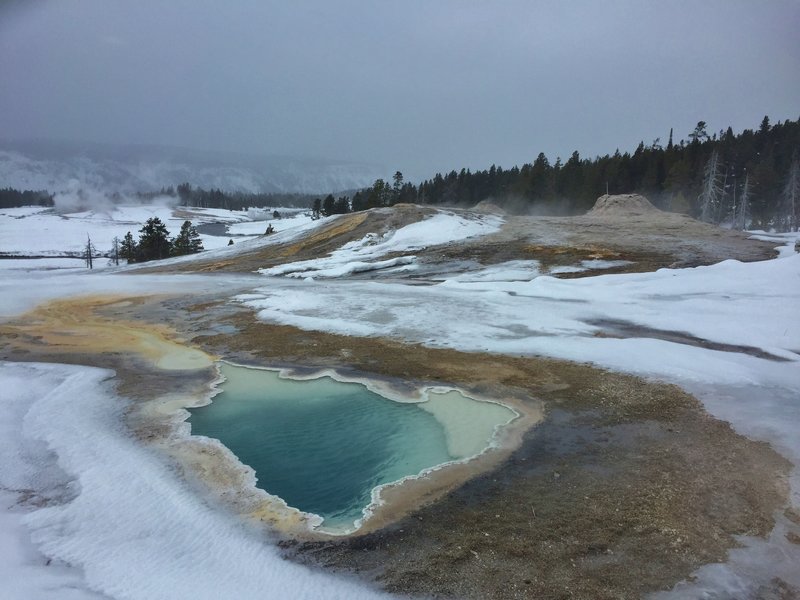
518	205
79	197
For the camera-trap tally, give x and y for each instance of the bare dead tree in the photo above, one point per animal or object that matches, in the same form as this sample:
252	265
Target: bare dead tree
115	250
88	252
713	190
788	220
741	211
723	206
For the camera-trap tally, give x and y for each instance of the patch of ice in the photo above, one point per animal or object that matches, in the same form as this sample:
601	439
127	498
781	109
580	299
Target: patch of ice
594	264
513	270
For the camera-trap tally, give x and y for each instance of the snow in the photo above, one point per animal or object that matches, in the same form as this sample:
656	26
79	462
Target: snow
787	240
128	528
21	290
33	231
290	233
260	222
512	270
728	303
40	264
172	545
733	303
28	465
355	256
526	270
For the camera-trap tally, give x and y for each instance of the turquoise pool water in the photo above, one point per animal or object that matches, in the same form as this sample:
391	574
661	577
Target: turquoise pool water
322	445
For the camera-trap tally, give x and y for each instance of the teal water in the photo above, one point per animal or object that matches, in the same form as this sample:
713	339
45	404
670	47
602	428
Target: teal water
321	445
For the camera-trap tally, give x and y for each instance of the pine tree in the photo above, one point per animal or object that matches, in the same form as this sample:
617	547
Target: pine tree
360	202
185	193
379	194
699	134
341	206
327	205
127	249
195	241
397	186
187	241
154	241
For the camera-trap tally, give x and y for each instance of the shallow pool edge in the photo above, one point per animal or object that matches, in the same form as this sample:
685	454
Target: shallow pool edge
233	484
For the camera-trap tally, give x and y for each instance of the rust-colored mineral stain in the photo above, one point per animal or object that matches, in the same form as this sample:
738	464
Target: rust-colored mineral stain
76	325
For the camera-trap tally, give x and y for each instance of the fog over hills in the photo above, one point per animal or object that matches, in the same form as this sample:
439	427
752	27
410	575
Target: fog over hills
57	166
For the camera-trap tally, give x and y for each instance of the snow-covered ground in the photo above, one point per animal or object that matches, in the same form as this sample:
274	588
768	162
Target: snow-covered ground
363	254
171	545
38	231
119	522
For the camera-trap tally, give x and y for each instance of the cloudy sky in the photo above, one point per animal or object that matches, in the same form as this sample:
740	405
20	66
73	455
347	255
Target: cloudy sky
418	85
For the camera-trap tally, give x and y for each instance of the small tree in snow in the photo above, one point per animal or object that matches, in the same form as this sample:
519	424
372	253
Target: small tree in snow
127	249
188	241
154	241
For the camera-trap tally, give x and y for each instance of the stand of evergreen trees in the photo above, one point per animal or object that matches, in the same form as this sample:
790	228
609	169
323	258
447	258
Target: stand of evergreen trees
154	242
10	198
672	176
760	165
705	176
216	198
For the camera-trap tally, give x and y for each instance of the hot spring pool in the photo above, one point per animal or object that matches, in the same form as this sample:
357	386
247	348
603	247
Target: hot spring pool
323	445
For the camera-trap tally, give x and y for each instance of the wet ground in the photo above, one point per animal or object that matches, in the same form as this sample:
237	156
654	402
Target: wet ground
652	241
625	487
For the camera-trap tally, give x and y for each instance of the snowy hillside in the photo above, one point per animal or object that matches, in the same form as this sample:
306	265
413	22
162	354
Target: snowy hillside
52	167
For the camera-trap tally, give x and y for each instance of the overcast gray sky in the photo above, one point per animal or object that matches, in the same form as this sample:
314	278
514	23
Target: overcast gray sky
417	85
